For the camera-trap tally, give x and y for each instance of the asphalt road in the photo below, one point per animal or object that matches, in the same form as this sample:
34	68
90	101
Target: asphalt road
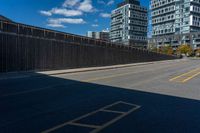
156	98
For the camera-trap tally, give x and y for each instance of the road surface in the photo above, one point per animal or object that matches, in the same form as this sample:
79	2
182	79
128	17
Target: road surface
154	98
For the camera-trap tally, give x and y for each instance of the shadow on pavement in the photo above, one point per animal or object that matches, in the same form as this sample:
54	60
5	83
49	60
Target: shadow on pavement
35	104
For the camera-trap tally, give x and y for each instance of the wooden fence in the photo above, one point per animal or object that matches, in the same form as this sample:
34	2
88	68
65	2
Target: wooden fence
28	48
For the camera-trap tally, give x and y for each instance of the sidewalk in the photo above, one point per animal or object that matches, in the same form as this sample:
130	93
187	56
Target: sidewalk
14	75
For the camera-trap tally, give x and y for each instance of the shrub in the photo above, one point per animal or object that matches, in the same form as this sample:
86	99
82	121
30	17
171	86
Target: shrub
197	52
185	49
167	50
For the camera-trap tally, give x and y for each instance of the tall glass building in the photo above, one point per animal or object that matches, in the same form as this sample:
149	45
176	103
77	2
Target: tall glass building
175	17
129	24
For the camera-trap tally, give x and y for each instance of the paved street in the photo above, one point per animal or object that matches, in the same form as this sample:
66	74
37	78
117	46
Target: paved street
162	97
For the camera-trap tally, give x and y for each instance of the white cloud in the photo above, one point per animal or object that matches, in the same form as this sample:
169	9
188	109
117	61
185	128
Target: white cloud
110	2
65	12
105	15
70	3
62	11
46	13
69	9
86	6
66	21
56	25
95	25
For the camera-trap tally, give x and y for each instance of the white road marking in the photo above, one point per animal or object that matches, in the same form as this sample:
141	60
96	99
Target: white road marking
97	128
111	111
84	125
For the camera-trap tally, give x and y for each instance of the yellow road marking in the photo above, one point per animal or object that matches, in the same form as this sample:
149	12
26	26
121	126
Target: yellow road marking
107	77
129	67
123	74
191	77
186	76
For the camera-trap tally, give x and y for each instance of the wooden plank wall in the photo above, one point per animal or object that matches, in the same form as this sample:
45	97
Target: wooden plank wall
28	48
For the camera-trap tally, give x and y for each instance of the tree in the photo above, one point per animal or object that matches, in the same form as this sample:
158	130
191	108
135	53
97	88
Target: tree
198	52
167	49
152	47
185	49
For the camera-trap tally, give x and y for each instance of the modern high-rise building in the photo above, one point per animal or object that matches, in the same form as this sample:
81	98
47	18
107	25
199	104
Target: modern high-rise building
174	18
103	35
129	24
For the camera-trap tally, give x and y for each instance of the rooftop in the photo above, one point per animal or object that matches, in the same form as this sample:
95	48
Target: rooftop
4	18
135	2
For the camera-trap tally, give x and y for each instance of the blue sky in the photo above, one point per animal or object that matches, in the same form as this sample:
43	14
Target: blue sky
72	16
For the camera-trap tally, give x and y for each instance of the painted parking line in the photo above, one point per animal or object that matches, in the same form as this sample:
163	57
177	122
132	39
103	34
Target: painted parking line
115	111
185	77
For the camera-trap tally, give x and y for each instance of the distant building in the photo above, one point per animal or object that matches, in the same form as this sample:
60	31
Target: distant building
129	24
5	19
90	34
103	35
175	21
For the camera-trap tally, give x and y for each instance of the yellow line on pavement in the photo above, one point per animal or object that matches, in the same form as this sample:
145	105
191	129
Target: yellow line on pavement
107	77
184	74
122	74
191	77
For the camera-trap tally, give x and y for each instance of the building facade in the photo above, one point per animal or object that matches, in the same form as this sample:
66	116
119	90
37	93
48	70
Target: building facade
180	18
103	35
129	24
192	38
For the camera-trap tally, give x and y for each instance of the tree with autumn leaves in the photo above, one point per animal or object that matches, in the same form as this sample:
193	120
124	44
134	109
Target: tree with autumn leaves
167	49
197	52
184	49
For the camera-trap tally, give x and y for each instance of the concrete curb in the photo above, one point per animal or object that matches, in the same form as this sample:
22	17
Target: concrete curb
77	70
92	69
58	72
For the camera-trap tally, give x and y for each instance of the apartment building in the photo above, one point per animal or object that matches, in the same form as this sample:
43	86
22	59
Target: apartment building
180	18
129	24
